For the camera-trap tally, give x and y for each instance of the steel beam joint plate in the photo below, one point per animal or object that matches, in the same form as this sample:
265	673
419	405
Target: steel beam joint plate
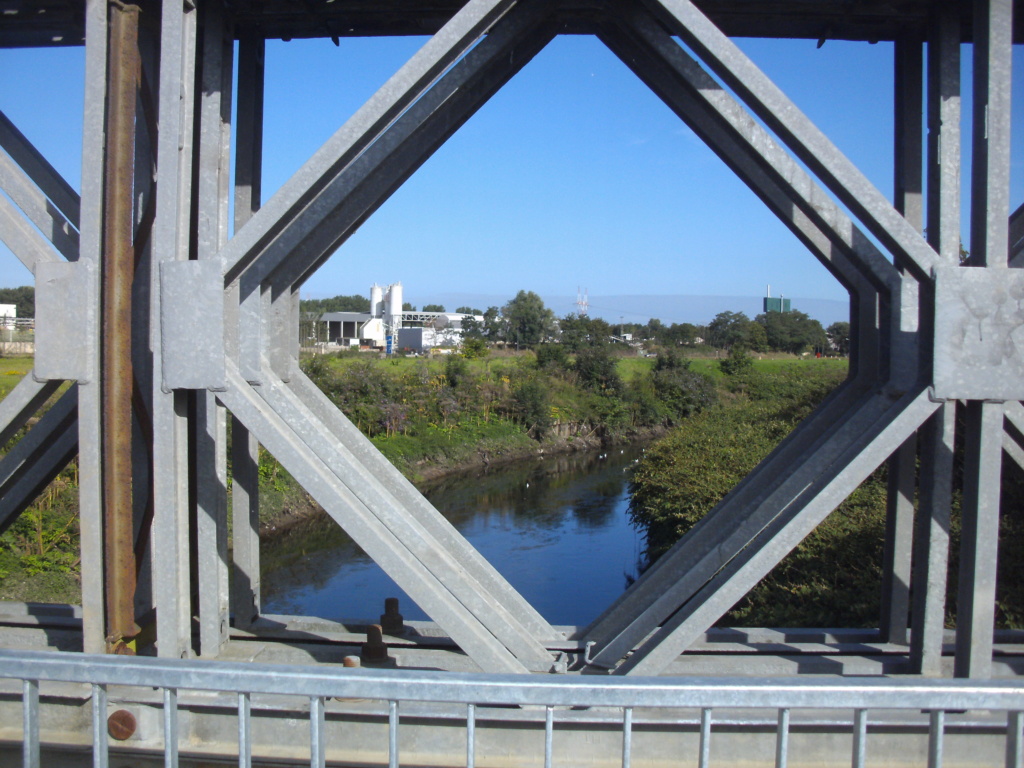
67	297
979	333
192	325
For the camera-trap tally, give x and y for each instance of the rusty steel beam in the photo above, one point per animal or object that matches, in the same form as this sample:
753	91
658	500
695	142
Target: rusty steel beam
116	298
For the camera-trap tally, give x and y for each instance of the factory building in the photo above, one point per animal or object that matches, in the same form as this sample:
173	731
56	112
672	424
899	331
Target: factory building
387	326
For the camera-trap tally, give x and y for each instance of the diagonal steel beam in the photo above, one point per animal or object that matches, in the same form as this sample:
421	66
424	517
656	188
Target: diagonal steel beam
801	514
22	402
745	146
15	183
22	238
371	463
367	182
288	443
731	526
38	457
1017	237
38	169
427	536
809	144
1013	443
362	129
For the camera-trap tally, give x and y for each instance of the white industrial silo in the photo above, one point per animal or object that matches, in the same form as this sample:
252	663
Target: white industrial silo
394	306
376	296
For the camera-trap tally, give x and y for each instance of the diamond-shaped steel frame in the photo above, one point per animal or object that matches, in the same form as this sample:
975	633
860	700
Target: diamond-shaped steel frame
221	315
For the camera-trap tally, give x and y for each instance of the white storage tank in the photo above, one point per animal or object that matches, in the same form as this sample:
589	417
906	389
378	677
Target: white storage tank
376	298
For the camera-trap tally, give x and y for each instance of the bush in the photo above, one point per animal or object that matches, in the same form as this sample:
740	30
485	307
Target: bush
684	392
552	357
532	407
596	370
737	362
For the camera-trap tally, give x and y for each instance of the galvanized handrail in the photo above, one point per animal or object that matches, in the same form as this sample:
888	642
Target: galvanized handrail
317	683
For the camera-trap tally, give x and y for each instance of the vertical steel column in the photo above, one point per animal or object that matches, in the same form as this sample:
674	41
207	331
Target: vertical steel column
990	210
931	542
116	344
931	537
979	539
245	586
89	400
908	79
171	242
211	423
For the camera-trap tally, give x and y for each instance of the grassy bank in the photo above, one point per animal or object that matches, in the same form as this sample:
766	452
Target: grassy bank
834	577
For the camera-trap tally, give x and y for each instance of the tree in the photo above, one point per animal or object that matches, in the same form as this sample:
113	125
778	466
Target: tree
23	298
433	308
407	307
729	328
839	336
353	303
580	331
596	369
472	328
468	311
529	321
494	324
792	331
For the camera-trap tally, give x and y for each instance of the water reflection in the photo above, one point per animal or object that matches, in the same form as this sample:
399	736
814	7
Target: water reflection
556	528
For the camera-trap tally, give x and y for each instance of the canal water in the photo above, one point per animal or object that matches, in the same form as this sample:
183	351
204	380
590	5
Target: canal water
555	527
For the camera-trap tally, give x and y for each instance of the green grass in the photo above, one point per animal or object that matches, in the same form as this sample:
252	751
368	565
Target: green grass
13	370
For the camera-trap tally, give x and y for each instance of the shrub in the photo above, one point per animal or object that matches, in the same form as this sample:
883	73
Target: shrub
596	370
684	392
737	362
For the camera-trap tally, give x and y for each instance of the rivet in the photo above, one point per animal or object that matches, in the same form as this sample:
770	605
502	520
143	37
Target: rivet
121	725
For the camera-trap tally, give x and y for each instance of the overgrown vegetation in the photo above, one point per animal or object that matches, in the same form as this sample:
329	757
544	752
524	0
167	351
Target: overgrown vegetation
39	553
833	578
456	408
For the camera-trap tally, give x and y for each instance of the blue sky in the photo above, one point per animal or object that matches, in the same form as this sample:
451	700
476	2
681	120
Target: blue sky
573	175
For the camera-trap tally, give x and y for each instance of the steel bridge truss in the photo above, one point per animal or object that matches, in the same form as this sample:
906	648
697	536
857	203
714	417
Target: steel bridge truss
169	327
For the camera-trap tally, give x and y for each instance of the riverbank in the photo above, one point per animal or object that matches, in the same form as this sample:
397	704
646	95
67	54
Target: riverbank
285	505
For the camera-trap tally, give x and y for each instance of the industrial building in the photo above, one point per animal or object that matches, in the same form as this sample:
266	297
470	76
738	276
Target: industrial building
387	326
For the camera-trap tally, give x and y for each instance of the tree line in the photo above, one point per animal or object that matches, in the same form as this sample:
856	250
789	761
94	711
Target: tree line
526	323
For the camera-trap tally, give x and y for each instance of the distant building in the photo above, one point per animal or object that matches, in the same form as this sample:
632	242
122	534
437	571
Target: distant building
775	304
386	318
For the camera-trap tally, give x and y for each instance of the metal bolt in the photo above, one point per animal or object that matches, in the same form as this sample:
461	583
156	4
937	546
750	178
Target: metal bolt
121	725
391	620
350	661
374	651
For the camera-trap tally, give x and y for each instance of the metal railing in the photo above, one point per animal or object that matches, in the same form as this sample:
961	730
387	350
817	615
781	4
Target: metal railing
931	699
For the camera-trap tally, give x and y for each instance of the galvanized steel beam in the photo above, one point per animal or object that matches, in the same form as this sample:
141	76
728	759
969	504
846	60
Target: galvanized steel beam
38	458
429	538
902	468
805	510
172	582
361	130
211	444
245	576
376	539
56	228
931	542
372	463
809	144
90	497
